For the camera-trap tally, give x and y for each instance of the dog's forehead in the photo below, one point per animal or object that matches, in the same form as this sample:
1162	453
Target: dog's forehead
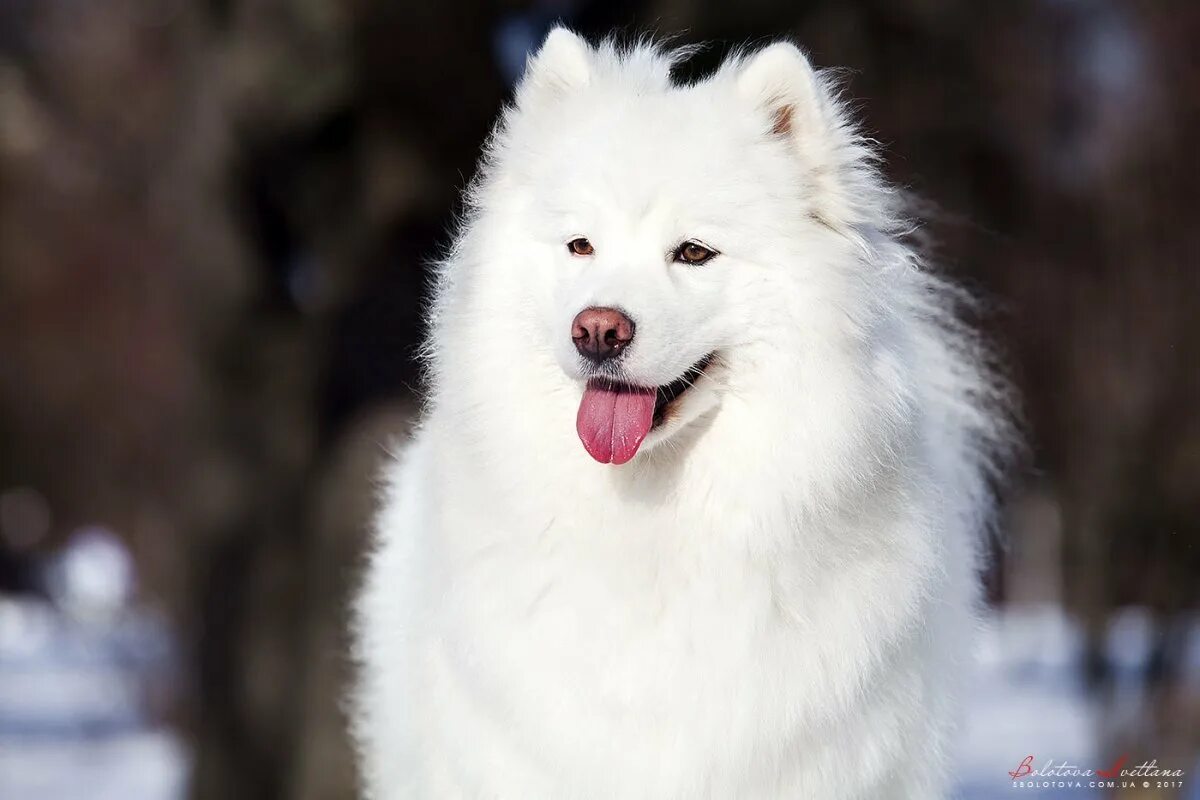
672	127
635	149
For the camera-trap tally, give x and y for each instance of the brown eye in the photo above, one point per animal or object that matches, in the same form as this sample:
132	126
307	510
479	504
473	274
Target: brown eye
580	247
693	253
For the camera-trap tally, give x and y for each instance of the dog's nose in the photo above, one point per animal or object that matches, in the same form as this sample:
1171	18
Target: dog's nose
601	333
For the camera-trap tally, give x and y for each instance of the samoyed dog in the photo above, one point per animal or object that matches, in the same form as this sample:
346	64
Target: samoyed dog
695	504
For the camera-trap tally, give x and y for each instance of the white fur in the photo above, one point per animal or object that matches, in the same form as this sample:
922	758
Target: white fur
774	598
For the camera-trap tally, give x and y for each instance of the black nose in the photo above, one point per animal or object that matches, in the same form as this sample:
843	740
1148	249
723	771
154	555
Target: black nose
601	333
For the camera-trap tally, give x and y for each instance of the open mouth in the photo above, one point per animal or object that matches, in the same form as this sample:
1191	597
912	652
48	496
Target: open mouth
615	417
664	396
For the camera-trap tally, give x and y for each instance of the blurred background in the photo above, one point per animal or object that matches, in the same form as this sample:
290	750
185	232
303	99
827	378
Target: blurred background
215	220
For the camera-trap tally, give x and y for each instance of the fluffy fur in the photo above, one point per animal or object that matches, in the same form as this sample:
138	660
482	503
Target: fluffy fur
775	597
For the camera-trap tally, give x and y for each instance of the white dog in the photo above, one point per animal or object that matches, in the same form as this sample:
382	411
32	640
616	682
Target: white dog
694	508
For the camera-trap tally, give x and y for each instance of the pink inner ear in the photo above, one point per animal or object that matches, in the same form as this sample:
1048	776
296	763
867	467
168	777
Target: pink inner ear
782	120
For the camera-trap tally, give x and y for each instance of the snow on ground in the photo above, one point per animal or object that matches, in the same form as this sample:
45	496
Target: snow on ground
76	679
1025	699
130	765
72	694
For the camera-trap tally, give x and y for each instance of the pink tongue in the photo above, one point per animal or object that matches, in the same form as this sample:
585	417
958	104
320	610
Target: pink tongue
613	421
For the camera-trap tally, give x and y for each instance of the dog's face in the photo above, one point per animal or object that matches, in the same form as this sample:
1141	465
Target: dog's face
663	227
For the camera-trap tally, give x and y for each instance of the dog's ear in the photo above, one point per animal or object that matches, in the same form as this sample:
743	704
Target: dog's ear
561	64
781	82
799	109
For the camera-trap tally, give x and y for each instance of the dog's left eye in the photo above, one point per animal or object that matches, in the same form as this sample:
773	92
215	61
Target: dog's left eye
694	253
580	247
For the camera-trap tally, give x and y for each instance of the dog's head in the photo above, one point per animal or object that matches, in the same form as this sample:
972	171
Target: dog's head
673	239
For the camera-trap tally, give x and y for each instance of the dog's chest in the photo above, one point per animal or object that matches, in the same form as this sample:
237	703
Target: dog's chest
696	656
561	653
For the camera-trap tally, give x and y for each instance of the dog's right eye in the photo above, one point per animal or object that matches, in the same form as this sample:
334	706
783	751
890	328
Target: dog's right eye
692	252
580	247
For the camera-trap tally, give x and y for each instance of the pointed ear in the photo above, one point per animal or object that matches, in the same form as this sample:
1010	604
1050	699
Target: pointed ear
800	111
780	80
561	64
